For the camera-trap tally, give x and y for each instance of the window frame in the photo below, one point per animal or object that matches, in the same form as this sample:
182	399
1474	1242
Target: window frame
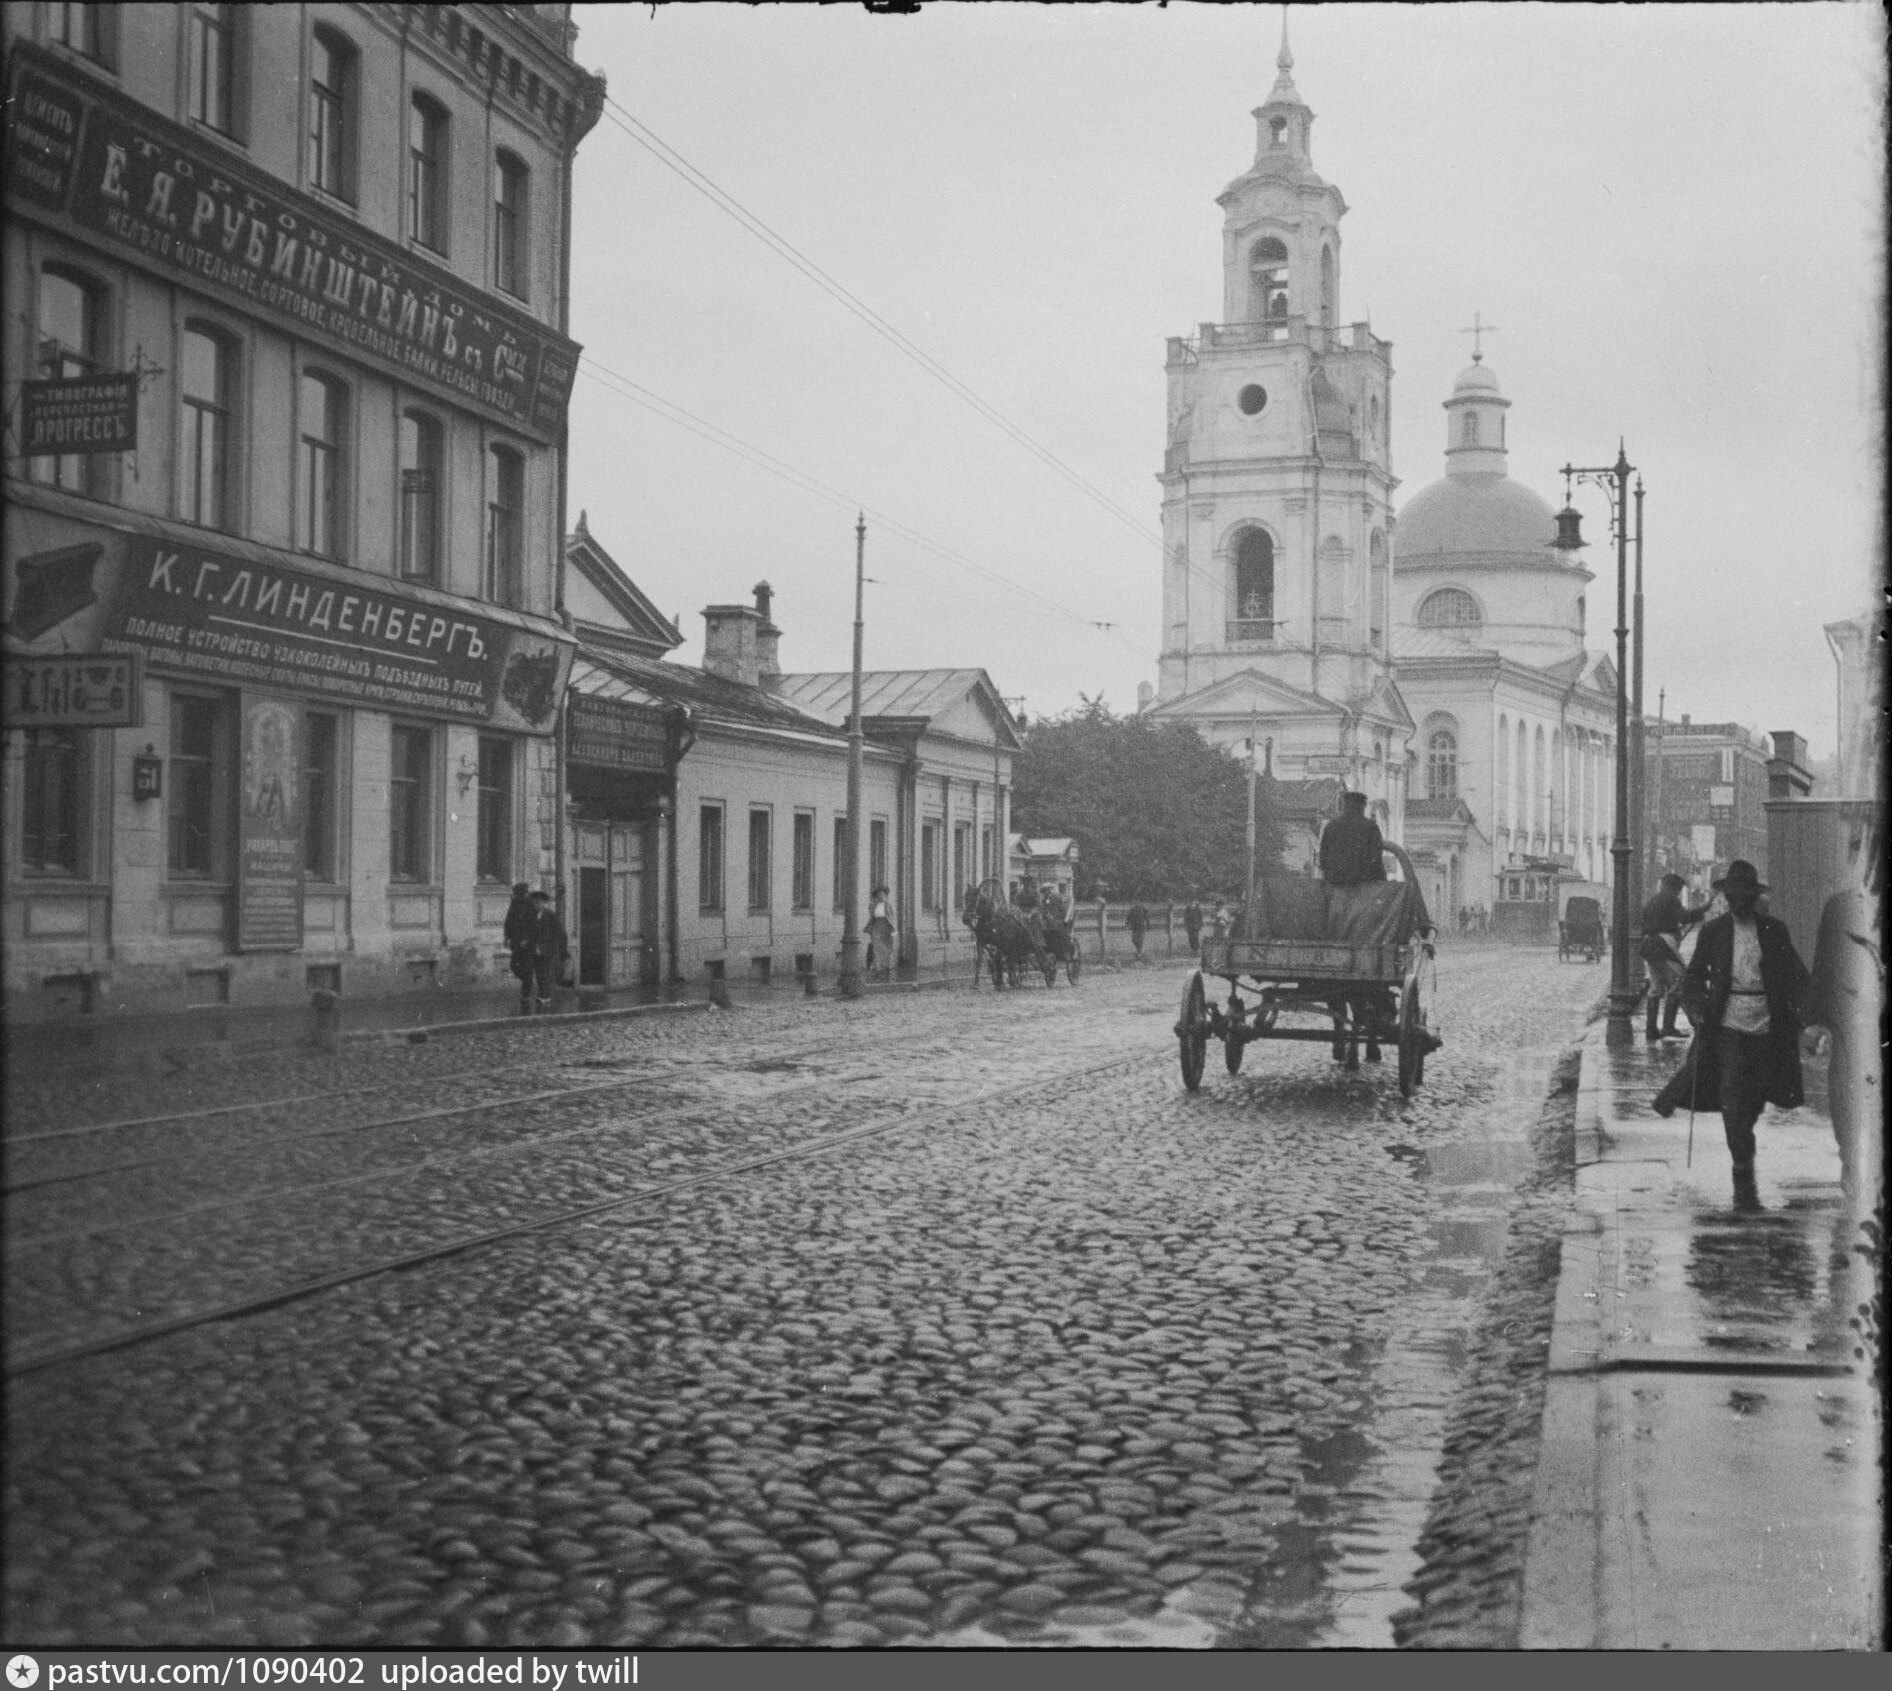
229	22
932	830
56	359
411	791
493	810
761	877
1442	761
313	455
711	859
504	582
223	407
321	790
73	862
1427	616
429	156
801	874
512	229
1245	573
877	835
100	23
427	427
189	773
840	862
331	146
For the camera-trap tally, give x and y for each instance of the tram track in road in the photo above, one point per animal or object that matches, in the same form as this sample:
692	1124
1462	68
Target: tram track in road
895	1117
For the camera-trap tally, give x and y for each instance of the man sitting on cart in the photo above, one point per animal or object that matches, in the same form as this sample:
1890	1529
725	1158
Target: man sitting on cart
1351	857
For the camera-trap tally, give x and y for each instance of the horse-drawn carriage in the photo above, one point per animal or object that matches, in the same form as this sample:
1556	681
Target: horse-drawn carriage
1580	934
1361	958
1012	943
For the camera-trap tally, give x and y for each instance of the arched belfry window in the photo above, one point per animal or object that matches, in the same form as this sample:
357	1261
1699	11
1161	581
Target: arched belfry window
1327	286
1268	269
1254	587
1469	434
1376	589
1277	131
1450	607
1442	762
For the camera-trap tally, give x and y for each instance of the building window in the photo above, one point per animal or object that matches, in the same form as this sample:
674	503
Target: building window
324	426
1450	607
986	871
49	836
962	858
1376	589
427	172
877	854
1254	588
1327	286
709	858
207	362
493	852
509	225
802	865
91	30
215	67
71	344
505	525
421	459
929	865
196	786
410	788
1469	433
759	842
1442	764
332	101
840	862
321	737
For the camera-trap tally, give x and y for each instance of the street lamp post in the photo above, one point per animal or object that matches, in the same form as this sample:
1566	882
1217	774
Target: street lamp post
1639	870
850	982
1613	479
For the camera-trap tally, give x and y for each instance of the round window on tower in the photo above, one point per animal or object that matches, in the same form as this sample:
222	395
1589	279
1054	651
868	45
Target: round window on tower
1253	400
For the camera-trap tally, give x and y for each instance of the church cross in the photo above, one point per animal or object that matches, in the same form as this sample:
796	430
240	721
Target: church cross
1479	329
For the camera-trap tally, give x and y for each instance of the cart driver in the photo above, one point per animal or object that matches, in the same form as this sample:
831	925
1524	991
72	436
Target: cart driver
1351	855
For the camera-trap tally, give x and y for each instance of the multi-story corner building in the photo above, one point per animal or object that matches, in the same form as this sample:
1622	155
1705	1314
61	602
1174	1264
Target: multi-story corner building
286	349
1706	789
1277	493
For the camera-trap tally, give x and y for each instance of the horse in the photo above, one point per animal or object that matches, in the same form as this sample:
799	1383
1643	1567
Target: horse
1006	940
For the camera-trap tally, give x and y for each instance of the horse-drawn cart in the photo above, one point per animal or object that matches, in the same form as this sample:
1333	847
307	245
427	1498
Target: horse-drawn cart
1012	943
1359	957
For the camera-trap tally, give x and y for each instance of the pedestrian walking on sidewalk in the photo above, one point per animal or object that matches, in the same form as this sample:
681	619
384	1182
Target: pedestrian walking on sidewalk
1743	991
880	933
1138	922
550	948
520	920
1663	919
1192	924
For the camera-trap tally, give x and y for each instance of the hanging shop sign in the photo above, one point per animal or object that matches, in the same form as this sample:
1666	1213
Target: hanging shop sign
79	415
358	638
615	734
104	690
269	837
85	158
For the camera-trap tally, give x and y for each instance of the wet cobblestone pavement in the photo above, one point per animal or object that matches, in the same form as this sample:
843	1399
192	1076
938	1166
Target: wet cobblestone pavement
941	1319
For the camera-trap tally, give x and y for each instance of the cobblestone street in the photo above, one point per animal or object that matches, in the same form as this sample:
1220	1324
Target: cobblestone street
946	1318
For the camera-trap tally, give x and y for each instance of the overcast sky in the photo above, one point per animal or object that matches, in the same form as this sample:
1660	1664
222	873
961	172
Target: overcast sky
1672	215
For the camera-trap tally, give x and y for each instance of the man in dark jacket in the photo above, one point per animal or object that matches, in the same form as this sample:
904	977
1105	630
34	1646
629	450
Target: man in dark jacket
1743	992
1192	924
549	946
1351	855
519	926
1663	919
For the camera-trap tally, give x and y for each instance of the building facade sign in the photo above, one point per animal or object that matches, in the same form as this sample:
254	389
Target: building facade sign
364	640
115	175
269	847
1323	764
85	414
614	734
103	690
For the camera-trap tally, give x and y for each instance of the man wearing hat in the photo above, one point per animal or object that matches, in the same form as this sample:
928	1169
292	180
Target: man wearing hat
1742	990
1352	854
1663	919
520	920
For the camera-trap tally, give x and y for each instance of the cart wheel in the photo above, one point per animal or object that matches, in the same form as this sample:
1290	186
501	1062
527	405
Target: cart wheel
1412	1040
1192	1032
1073	966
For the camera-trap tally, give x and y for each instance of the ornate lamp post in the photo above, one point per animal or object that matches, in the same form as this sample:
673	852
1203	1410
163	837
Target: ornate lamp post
1613	479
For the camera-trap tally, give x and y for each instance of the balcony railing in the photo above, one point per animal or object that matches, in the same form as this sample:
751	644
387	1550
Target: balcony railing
1300	331
1250	631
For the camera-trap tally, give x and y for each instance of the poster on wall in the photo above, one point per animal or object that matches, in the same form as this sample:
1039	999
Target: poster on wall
269	838
350	635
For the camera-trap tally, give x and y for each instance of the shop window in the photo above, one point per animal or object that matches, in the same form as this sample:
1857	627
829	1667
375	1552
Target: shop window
509	224
759	842
505	525
427	172
709	858
217	42
494	820
206	380
802	859
322	466
50	774
421	459
196	787
333	99
90	30
321	742
840	862
72	337
410	808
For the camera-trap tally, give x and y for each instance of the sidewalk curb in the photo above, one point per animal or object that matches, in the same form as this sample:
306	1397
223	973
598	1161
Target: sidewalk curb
421	1035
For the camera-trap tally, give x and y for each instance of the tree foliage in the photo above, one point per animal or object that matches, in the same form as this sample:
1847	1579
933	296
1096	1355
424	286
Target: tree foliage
1157	812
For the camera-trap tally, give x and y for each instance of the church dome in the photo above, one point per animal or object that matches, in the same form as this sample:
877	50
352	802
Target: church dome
1483	512
1476	377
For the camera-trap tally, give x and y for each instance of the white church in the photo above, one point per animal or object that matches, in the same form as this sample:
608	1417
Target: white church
1434	661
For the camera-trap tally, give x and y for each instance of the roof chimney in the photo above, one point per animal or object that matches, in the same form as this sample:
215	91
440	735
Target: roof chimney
767	635
730	643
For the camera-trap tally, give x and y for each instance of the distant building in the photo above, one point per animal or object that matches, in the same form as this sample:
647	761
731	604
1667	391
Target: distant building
1706	789
1049	864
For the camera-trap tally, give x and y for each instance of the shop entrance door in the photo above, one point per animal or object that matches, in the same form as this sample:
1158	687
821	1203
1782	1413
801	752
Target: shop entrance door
593	903
631	958
611	942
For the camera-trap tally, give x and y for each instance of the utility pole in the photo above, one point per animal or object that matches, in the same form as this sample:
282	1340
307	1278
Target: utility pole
850	983
1658	833
1638	770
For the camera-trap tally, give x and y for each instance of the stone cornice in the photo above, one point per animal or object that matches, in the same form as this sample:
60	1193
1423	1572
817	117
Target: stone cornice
502	51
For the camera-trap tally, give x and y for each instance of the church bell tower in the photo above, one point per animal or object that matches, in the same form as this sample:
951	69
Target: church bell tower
1277	490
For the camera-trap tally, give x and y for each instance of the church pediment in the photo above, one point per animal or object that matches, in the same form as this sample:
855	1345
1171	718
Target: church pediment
1249	693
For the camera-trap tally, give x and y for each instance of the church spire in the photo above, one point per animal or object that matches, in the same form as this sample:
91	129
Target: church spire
1283	120
1284	88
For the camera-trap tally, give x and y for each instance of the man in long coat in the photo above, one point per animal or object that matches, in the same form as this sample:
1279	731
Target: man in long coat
1743	991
